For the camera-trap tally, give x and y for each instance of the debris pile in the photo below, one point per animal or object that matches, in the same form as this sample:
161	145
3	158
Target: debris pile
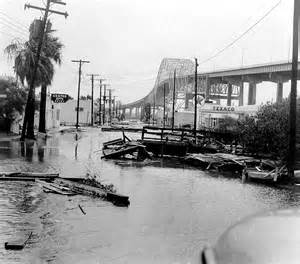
124	149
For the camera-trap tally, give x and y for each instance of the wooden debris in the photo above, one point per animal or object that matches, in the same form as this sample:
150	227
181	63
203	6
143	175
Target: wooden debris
45	215
16	245
79	187
81	209
54	188
27	176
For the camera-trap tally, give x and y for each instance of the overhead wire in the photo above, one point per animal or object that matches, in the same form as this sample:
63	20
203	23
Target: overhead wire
19	31
241	35
14	19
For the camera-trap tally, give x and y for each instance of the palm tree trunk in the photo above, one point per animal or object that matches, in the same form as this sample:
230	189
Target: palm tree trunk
28	123
42	121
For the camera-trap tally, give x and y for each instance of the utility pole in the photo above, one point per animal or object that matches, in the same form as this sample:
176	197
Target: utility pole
153	108
78	95
104	102
196	93
164	119
173	105
100	98
293	94
114	106
28	122
92	106
109	104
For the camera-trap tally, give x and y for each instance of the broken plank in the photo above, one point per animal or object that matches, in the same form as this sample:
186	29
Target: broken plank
16	245
118	153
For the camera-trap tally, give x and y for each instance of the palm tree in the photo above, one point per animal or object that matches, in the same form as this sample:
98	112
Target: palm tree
24	55
52	49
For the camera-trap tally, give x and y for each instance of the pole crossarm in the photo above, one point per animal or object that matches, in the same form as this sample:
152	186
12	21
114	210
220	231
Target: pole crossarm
65	14
58	2
82	61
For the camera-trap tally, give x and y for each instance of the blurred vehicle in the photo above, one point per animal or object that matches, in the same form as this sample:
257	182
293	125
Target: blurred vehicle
266	238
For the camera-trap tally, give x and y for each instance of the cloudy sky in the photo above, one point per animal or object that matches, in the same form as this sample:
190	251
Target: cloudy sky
125	40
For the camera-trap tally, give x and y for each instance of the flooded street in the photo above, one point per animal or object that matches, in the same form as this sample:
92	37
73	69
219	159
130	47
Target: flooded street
175	209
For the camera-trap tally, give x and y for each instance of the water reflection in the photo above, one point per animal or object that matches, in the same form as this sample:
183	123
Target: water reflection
173	205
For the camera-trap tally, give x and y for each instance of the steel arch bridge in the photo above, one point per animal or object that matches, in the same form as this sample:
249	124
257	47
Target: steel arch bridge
225	84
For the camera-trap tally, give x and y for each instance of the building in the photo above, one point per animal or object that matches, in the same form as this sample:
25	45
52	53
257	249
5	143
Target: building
53	113
69	112
210	115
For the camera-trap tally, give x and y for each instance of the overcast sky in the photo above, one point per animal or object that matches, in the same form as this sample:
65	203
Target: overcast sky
125	40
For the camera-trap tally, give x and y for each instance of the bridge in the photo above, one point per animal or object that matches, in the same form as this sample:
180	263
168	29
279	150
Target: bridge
225	84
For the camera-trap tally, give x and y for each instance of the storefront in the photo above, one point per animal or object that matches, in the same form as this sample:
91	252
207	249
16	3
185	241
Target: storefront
211	115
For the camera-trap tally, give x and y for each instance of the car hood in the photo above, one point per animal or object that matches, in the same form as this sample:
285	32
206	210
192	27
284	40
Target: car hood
272	237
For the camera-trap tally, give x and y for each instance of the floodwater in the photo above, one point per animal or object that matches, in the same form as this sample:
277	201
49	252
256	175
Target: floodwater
175	210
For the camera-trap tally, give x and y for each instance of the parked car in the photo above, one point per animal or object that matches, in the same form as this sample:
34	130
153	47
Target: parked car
266	238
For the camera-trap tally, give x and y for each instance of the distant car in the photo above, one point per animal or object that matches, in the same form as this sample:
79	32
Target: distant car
266	238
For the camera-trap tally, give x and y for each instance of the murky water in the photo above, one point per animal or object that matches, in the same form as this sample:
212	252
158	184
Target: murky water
175	210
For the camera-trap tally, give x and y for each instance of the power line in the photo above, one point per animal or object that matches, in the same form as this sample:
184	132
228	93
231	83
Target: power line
14	24
242	35
13	28
13	19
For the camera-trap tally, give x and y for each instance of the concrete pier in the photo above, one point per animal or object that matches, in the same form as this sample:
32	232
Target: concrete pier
279	93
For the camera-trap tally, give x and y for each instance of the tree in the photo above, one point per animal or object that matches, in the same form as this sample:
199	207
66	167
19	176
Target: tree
14	102
267	132
228	124
25	56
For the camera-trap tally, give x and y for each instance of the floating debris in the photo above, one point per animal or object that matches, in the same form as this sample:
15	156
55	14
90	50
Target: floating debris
16	245
124	149
81	209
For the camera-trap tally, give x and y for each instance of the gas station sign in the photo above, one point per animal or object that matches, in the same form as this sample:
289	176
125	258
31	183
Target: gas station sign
59	98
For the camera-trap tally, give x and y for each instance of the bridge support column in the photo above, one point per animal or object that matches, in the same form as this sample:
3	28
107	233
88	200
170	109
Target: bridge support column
229	93
130	112
186	101
241	96
142	112
279	94
252	94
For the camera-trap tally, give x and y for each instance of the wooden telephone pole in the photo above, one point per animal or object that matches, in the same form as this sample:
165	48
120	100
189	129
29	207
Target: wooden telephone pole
100	98
28	122
92	106
104	101
293	94
109	105
78	94
173	105
196	93
164	113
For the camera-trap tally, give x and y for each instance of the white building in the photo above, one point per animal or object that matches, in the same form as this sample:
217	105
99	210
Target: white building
69	112
53	112
209	115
